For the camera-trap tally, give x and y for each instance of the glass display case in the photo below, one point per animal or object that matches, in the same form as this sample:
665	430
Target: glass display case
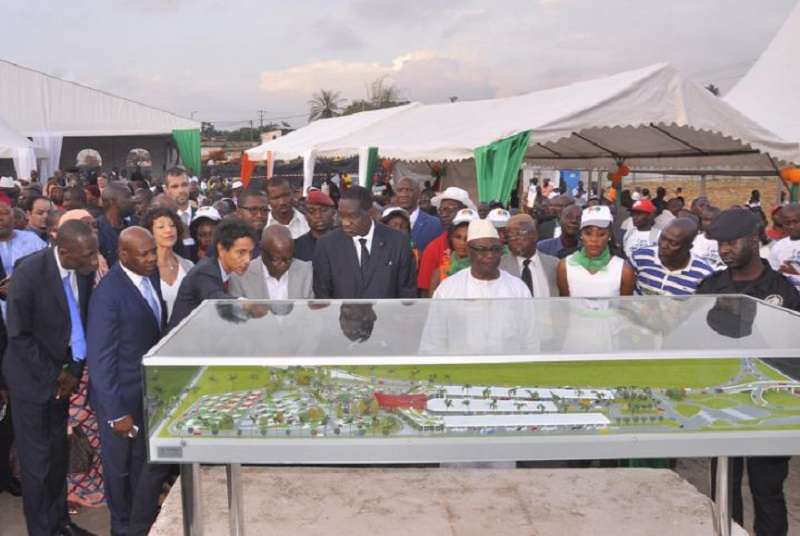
425	381
391	381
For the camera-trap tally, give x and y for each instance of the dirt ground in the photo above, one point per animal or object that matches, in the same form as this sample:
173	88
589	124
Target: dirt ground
722	192
695	471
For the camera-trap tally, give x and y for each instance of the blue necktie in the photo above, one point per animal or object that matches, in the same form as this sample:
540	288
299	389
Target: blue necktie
149	296
77	338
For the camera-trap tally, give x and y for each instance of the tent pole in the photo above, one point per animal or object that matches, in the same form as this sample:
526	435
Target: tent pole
703	185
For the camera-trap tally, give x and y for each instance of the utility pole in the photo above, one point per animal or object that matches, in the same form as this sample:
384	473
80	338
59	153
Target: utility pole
261	119
252	134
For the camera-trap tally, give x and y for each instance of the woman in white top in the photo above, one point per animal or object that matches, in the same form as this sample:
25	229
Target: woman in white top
593	271
166	227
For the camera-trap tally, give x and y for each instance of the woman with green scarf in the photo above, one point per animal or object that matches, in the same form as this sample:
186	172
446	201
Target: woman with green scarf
593	271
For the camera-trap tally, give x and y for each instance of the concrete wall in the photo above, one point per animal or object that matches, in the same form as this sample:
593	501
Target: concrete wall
114	151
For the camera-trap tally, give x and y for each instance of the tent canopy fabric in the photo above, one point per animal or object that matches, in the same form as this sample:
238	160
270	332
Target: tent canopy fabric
34	103
648	117
295	144
10	141
769	91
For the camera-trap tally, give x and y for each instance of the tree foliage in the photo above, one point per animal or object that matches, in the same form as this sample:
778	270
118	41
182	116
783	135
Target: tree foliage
325	103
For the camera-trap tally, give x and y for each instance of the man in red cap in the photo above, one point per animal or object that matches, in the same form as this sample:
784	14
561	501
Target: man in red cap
643	234
320	213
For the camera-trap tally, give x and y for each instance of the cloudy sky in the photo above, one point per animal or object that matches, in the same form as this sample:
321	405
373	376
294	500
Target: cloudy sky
226	59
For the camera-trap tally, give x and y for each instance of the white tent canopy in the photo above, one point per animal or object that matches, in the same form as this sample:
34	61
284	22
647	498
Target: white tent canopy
19	149
650	117
308	138
37	104
769	92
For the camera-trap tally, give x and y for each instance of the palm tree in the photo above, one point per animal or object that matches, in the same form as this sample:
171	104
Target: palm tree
325	103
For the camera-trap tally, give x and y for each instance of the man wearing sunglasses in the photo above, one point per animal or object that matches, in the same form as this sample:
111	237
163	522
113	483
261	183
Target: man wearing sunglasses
484	279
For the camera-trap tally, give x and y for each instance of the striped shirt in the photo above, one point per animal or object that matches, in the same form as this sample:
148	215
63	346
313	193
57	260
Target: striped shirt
652	277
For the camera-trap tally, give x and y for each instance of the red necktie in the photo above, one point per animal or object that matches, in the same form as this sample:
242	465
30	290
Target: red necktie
225	285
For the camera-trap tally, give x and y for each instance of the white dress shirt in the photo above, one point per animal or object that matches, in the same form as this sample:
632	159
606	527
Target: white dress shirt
186	217
278	289
137	279
225	275
368	236
541	288
73	278
298	226
413	217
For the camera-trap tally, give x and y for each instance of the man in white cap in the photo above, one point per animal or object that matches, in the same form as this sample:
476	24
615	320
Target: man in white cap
484	279
448	203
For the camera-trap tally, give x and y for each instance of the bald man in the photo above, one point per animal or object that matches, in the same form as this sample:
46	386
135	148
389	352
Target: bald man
276	275
127	316
670	268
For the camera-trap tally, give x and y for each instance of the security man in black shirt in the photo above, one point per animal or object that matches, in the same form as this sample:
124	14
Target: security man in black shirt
736	230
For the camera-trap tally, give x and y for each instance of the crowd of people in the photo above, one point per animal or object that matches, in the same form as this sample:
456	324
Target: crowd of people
96	272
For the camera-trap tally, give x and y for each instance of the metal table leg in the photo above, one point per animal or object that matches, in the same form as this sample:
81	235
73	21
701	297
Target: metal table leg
235	499
722	500
191	500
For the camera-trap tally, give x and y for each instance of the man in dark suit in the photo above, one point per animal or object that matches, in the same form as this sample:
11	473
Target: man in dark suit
7	481
234	244
47	308
424	227
363	258
127	316
117	205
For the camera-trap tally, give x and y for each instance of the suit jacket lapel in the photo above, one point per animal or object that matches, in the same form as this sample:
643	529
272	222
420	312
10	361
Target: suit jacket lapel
349	249
261	284
54	280
126	281
376	256
155	280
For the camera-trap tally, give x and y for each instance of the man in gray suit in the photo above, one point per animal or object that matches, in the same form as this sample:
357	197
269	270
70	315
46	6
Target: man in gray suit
276	275
537	270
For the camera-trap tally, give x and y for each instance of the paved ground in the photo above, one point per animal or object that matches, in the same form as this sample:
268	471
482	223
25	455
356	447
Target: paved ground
696	471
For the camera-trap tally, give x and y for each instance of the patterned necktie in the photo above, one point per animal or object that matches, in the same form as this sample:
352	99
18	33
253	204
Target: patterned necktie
527	278
150	297
77	337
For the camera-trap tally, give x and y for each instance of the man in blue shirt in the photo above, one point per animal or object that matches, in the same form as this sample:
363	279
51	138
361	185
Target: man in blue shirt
14	245
670	268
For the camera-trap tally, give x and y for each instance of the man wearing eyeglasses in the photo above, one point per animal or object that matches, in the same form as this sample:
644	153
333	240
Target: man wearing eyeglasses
254	209
484	279
534	268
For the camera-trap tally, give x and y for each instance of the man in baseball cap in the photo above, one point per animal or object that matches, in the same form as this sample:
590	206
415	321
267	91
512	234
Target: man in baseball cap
320	214
448	203
736	231
643	234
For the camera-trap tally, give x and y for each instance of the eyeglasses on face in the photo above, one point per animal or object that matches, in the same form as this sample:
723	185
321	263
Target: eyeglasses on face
484	250
256	210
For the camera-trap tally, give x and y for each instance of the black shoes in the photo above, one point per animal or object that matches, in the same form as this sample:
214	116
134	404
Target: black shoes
71	529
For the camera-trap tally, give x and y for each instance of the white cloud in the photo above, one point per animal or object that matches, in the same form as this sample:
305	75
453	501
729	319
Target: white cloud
419	75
